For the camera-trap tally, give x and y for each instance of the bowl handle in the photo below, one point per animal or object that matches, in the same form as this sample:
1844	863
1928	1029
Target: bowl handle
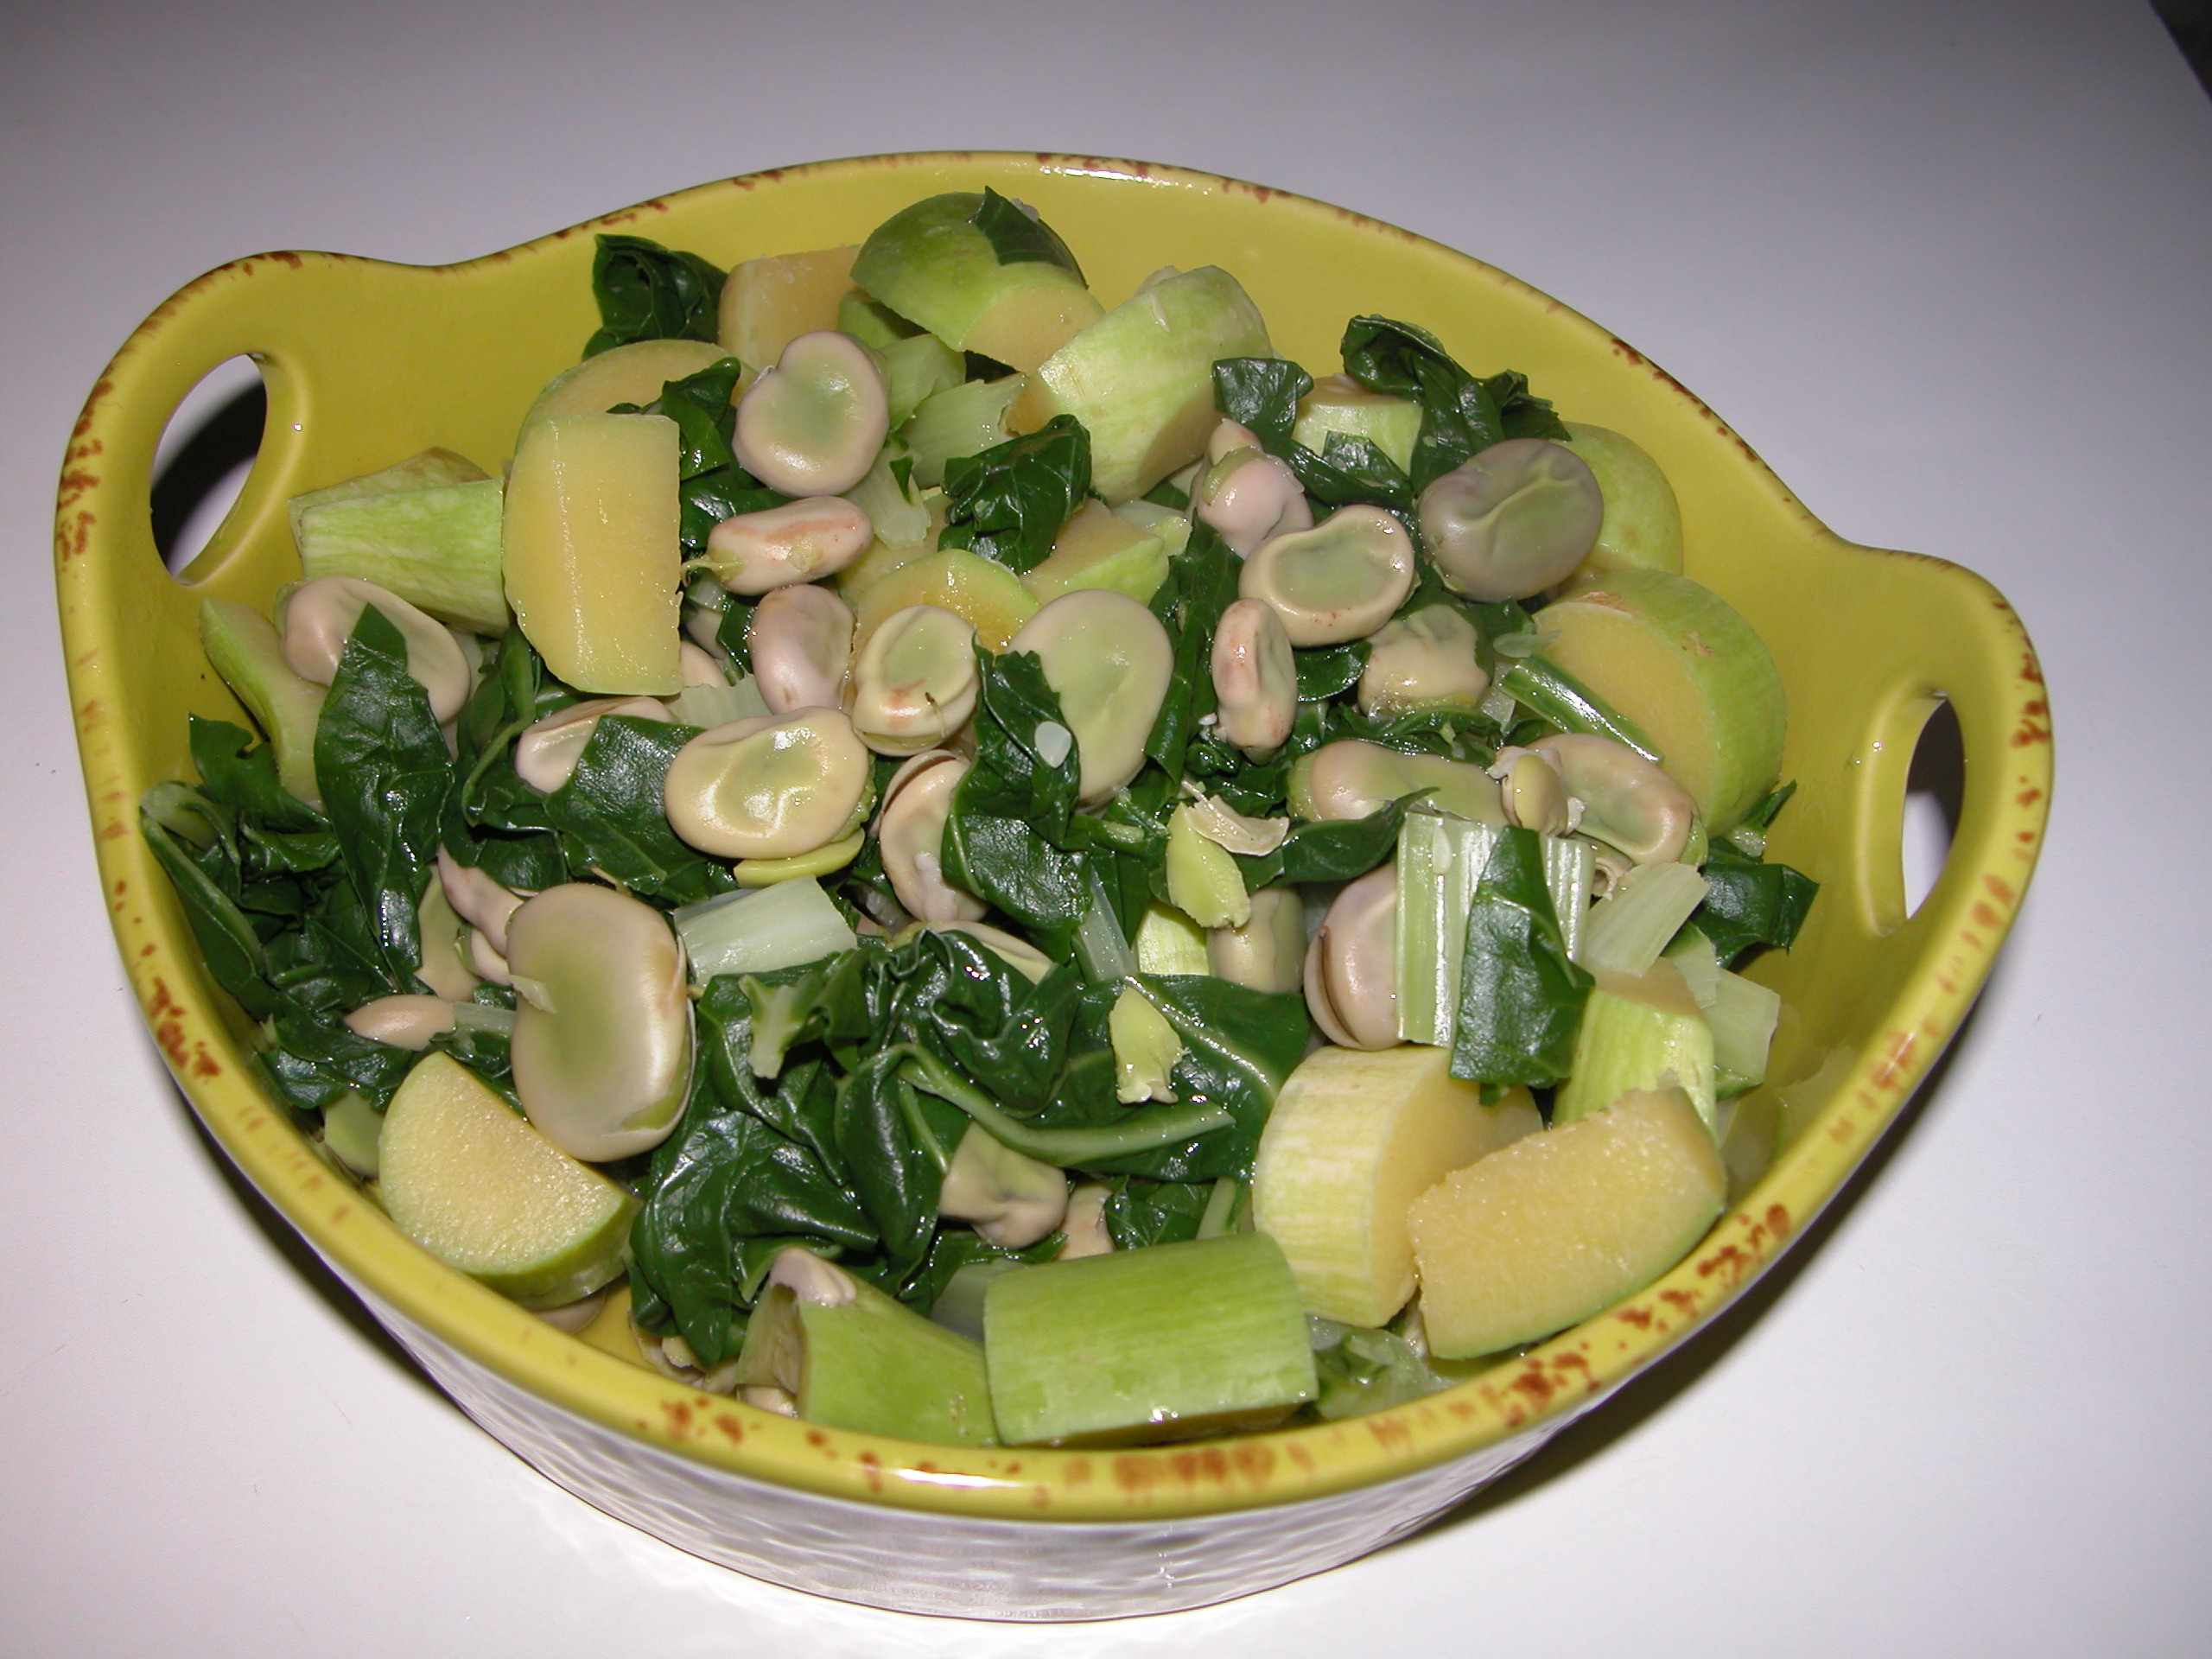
269	308
1953	638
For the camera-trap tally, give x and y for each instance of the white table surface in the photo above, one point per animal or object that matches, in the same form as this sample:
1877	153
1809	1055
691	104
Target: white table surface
1946	268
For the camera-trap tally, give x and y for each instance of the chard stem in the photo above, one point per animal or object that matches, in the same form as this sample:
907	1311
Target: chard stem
1144	1131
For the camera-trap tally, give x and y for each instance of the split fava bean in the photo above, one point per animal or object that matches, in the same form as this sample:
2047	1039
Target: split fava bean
546	753
319	617
1423	660
478	900
812	424
1352	778
1246	494
700	666
770	786
1512	519
1234	832
1534	798
1626	801
910	834
801	641
1255	677
753	553
438	929
602	1040
1108	659
402	1021
485	960
1084	1224
1338	581
1267	953
914	684
1351	966
1012	1199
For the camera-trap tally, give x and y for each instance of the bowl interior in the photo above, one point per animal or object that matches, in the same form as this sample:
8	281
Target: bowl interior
365	362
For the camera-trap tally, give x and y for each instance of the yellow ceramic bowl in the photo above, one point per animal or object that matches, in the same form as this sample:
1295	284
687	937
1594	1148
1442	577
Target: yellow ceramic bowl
365	362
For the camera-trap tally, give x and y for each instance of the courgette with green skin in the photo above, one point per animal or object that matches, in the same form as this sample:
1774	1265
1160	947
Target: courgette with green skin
244	647
1703	685
980	274
1140	379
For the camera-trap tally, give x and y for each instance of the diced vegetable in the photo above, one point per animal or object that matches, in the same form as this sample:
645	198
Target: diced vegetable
758	932
591	551
770	301
1558	1225
426	470
1701	683
245	649
1168	1343
1140	379
437	548
982	273
630	374
1625	931
467	1178
1354	1138
853	1357
1639	1033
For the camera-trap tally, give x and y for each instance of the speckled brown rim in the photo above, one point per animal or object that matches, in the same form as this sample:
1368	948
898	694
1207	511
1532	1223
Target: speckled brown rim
102	555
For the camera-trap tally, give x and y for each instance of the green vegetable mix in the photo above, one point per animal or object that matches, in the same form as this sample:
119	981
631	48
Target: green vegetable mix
917	1062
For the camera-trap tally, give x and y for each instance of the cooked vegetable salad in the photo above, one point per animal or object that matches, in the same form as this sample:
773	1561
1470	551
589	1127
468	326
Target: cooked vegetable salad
1015	871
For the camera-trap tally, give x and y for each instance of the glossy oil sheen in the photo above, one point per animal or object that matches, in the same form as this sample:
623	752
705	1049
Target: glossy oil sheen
1868	642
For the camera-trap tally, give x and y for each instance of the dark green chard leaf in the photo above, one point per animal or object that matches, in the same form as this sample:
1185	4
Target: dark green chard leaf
1460	414
1201	584
1008	503
733	634
228	941
241	774
493	820
1761	818
1141	1212
330	962
895	1141
1017	237
1004	862
1007	839
381	765
728	1180
1262	393
795	1101
610	819
1521	999
1341	849
947	992
648	292
1326	672
318	1058
1749	903
1239	1046
1350	470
